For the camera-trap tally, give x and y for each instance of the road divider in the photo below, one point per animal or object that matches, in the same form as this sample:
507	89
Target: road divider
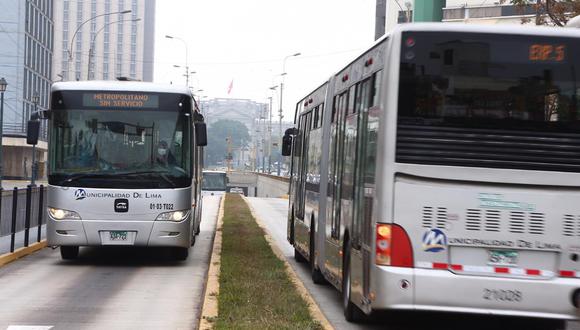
21	252
209	310
256	287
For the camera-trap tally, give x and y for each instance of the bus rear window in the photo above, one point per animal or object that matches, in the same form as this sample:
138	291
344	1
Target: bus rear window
489	81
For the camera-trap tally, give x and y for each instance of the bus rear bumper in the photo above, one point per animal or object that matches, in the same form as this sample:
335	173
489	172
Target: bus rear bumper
140	233
442	290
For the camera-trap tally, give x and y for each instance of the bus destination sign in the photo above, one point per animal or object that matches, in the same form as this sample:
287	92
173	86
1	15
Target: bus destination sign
120	100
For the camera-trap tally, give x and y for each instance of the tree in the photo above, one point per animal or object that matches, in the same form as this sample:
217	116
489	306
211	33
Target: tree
217	135
549	12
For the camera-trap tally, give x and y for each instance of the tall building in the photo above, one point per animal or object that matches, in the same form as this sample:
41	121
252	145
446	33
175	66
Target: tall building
458	11
26	36
103	39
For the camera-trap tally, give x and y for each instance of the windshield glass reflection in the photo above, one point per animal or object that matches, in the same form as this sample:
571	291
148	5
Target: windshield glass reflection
150	149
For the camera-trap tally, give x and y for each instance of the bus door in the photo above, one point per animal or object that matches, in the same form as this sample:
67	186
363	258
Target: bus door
302	228
361	241
335	180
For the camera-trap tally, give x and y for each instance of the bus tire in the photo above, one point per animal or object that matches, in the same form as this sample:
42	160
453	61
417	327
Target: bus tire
298	256
316	274
69	252
180	253
351	312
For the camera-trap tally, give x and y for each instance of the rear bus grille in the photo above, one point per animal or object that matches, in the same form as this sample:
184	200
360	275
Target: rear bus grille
571	225
518	222
434	217
491	148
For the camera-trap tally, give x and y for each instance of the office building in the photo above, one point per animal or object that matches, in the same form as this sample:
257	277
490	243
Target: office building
26	36
104	39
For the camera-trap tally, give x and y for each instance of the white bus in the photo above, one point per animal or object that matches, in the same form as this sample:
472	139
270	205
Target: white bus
440	171
125	162
214	183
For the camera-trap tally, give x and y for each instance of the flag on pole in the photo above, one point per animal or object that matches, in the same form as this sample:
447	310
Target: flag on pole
230	86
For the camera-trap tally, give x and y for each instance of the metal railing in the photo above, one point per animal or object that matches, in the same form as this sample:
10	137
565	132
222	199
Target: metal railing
21	213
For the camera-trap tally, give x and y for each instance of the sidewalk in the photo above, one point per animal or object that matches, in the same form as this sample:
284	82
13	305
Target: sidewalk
10	184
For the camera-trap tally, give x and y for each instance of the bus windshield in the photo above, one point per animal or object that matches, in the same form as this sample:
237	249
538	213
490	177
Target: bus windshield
214	181
478	99
120	149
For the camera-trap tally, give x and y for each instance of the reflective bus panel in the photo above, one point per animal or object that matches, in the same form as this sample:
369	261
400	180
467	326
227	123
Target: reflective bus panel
123	159
442	175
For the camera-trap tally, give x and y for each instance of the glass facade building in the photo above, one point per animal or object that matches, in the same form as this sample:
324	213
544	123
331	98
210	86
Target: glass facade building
95	41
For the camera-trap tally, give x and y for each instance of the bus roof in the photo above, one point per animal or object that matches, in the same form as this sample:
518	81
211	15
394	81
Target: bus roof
486	28
124	86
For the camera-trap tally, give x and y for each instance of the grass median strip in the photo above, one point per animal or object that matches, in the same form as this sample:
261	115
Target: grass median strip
255	290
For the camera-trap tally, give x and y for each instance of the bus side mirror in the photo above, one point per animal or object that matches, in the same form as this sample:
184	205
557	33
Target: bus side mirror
287	141
286	145
44	114
201	134
32	132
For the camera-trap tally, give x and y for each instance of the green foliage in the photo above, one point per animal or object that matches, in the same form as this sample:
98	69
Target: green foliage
255	290
217	139
548	12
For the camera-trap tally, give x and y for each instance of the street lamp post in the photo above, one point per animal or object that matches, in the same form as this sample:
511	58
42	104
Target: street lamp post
3	85
34	115
90	70
273	88
70	52
186	57
281	113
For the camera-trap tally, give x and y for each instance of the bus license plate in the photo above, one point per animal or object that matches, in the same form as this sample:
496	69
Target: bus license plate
503	258
117	236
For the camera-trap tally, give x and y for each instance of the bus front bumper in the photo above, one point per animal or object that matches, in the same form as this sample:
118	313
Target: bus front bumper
442	290
137	233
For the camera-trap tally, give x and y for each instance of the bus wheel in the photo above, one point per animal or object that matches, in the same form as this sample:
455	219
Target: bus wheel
351	312
180	253
69	252
317	276
298	256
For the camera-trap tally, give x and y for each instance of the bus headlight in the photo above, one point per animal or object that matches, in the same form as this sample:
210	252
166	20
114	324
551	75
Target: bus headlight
173	216
60	214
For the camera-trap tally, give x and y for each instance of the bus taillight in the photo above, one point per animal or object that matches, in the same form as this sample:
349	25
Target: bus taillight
393	246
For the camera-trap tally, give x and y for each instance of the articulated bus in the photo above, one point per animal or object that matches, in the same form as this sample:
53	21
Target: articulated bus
125	163
440	171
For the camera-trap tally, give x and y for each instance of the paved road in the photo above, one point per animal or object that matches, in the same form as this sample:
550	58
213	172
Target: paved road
109	288
273	213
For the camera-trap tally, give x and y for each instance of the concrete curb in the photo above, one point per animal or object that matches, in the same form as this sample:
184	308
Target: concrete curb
312	305
21	252
210	303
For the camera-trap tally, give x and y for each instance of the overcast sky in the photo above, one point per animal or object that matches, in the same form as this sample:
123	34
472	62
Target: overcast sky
246	41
